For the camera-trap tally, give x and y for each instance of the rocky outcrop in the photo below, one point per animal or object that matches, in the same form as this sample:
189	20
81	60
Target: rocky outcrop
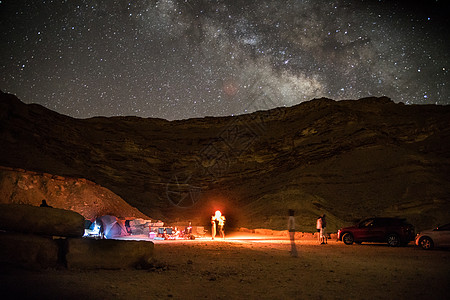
108	254
29	251
348	159
34	237
41	220
42	237
18	186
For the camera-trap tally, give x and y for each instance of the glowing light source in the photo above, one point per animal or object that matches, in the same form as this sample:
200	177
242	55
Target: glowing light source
221	221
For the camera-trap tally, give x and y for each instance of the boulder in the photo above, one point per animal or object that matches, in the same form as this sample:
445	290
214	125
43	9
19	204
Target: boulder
28	250
108	254
41	220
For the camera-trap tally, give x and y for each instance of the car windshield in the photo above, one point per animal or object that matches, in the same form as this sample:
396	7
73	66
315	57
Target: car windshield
444	227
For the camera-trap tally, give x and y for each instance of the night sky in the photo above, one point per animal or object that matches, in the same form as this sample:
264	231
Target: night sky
193	58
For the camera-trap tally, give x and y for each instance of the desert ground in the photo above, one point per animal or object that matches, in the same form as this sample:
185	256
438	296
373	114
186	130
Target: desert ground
249	267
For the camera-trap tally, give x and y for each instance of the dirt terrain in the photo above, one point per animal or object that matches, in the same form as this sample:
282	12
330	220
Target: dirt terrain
252	267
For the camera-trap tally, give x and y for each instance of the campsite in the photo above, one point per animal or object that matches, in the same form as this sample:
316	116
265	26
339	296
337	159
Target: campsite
110	227
129	186
43	256
249	266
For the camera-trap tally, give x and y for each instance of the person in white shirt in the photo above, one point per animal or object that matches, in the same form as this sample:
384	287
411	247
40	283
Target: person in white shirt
319	229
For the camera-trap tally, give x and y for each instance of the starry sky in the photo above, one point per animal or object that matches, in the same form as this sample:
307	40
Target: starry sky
179	59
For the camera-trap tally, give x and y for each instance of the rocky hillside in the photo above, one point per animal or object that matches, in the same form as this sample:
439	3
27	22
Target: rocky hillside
348	159
83	196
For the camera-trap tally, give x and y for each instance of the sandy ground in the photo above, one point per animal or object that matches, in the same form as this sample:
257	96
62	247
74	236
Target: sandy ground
252	267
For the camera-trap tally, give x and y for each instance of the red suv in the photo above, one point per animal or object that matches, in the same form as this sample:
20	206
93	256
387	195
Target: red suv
393	231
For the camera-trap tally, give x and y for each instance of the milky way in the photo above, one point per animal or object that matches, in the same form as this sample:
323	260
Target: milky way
182	59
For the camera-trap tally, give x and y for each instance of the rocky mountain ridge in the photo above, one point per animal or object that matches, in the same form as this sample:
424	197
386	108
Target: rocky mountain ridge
348	159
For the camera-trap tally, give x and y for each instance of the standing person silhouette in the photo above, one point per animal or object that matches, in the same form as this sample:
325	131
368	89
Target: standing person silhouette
323	232
221	220
319	228
213	227
44	204
291	229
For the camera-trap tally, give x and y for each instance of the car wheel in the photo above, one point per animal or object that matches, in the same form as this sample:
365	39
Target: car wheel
393	240
426	243
347	238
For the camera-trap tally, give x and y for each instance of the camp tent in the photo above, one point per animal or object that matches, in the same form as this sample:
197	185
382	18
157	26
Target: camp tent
111	226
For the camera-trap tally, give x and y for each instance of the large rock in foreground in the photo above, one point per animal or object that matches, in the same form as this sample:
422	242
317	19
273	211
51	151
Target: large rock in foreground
41	220
28	250
108	254
27	240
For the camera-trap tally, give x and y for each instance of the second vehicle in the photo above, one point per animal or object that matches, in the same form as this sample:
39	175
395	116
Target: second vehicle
393	231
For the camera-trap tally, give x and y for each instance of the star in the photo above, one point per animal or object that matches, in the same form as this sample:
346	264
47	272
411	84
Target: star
183	59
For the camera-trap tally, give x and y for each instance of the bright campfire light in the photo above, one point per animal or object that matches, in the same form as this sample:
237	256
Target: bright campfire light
219	218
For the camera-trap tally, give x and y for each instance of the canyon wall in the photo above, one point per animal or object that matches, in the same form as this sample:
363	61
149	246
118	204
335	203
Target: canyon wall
349	159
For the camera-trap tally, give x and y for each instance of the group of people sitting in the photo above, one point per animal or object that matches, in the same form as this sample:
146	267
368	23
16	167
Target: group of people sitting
170	233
